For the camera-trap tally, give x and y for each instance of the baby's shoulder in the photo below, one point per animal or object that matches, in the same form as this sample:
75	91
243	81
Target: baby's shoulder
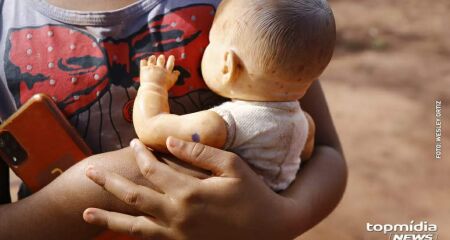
267	112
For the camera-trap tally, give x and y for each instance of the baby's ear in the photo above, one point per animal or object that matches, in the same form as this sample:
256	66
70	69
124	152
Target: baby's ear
230	71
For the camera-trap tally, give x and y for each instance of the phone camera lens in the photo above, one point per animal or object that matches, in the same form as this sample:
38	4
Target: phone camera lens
11	149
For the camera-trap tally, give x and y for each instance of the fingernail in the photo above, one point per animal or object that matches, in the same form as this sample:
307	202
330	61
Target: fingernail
96	176
133	143
89	216
173	142
91	172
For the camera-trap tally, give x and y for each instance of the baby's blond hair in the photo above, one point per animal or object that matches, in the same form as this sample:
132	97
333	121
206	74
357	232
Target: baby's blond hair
286	38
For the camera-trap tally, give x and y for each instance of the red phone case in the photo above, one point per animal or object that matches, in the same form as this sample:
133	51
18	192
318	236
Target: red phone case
50	142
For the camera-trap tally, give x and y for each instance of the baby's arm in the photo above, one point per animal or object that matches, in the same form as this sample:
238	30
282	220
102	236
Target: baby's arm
153	122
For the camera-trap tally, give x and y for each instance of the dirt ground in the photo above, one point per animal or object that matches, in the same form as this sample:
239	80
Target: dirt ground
391	64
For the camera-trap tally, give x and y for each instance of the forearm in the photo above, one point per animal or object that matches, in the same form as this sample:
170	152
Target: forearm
318	188
150	102
156	77
42	216
55	212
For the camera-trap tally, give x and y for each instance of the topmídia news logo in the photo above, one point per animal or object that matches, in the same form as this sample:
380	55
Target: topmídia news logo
411	231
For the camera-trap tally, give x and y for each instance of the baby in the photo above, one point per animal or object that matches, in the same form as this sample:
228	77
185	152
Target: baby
263	55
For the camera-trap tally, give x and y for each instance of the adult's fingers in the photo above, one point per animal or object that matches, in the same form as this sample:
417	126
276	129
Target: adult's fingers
138	226
219	162
159	174
142	198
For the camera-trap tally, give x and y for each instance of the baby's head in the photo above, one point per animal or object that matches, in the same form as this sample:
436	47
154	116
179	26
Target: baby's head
268	50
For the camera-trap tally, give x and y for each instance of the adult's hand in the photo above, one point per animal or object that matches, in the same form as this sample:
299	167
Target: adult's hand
251	210
55	212
232	204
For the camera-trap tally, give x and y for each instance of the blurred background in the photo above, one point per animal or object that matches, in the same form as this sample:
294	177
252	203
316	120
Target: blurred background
391	64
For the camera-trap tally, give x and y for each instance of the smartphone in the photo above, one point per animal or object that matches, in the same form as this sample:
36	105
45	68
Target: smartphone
38	142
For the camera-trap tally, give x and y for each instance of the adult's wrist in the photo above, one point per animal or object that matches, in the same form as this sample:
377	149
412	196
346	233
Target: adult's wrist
318	188
293	218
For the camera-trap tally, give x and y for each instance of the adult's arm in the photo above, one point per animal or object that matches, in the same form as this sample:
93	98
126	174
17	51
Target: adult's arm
234	204
55	212
321	182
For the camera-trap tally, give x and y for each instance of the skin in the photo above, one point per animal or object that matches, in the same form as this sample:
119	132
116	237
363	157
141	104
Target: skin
55	211
174	193
225	73
88	5
297	209
153	122
231	73
151	116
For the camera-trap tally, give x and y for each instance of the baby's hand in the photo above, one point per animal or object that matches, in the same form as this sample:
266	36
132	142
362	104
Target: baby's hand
157	71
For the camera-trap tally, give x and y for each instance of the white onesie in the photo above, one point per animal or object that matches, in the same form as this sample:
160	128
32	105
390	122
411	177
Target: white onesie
269	136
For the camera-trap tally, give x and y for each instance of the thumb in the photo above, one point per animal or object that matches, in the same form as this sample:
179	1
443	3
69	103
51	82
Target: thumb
219	162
